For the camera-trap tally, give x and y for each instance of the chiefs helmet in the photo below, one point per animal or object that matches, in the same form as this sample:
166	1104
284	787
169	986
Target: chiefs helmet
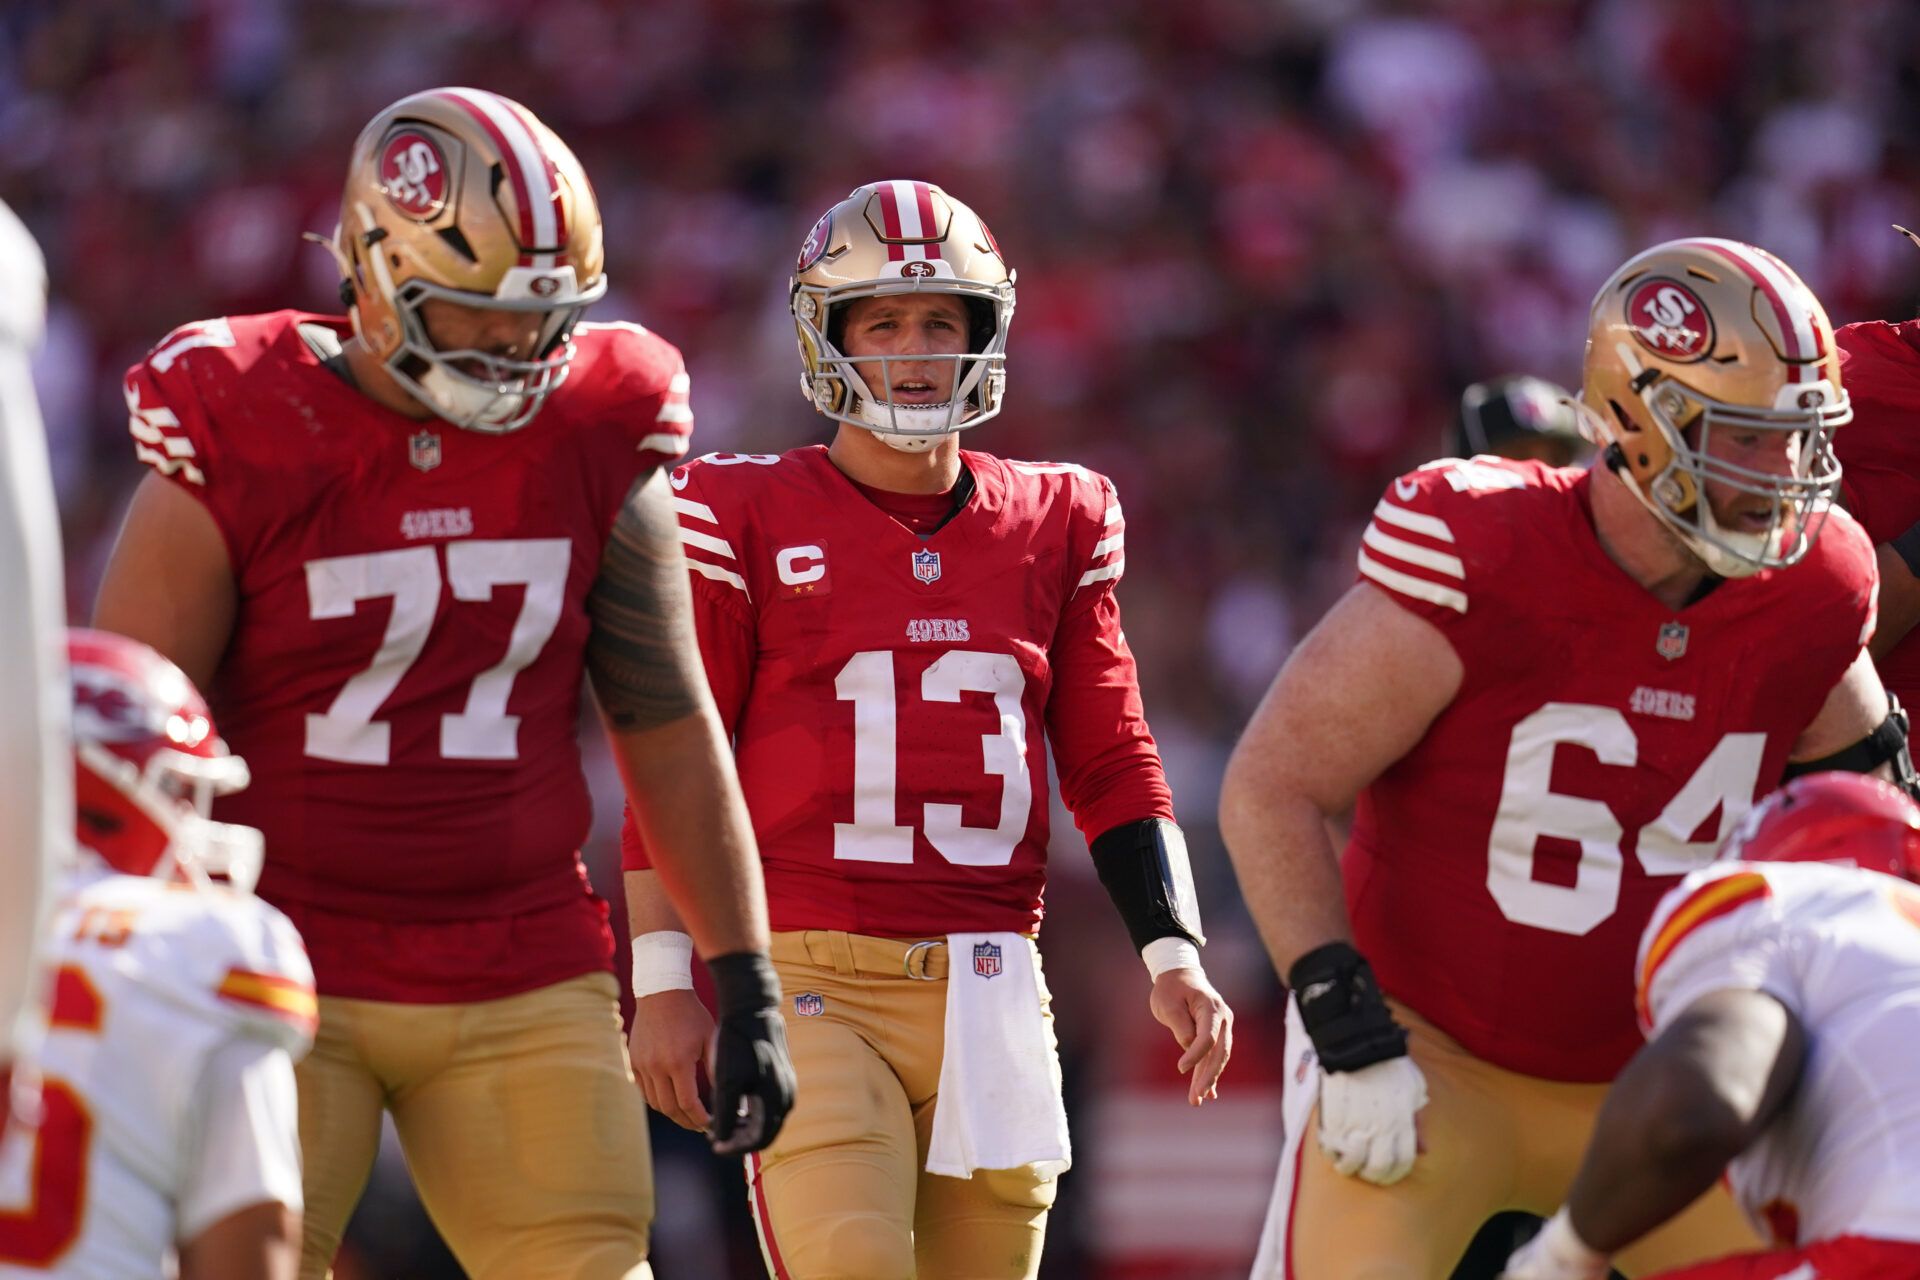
148	764
1832	817
890	238
463	195
1695	336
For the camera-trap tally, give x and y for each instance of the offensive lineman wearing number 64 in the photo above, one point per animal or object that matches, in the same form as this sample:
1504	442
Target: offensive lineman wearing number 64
387	545
1552	693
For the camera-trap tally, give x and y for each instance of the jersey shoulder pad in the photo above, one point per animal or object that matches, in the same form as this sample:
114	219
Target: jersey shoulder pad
717	498
1437	529
221	955
221	361
1702	908
1845	583
1095	524
630	375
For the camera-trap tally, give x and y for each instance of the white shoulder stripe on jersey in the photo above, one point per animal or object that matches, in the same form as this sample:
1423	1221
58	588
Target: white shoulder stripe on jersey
1101	574
1113	514
208	333
1413	521
698	510
669	442
718	574
1408	585
706	542
168	466
672	410
1425	557
1107	546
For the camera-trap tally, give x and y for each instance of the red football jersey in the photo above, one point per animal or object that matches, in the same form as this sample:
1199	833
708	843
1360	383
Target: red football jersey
404	674
890	696
1600	746
1880	451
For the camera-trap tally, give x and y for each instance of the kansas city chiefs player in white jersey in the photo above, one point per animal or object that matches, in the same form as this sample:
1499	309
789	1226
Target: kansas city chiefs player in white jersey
895	629
1783	1005
1550	694
164	1130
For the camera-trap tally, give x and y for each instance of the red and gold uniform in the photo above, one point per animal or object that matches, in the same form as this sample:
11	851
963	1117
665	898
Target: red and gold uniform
891	682
1881	453
1499	874
404	678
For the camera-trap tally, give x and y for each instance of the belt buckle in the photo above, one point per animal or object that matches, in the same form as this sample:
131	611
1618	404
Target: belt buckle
906	961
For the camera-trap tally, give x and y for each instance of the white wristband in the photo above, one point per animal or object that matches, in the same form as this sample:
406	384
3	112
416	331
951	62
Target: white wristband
1559	1243
1167	953
662	961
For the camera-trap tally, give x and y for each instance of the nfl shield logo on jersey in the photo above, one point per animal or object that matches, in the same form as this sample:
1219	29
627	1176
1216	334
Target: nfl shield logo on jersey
809	1004
1673	640
926	566
986	959
423	450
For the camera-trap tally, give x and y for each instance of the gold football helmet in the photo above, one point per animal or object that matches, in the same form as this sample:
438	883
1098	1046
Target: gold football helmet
1694	336
901	237
463	195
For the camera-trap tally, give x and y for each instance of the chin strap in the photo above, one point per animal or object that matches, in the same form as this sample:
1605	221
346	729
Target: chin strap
1888	742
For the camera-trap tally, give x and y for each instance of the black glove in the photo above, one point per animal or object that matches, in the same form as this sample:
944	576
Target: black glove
1345	1015
752	1071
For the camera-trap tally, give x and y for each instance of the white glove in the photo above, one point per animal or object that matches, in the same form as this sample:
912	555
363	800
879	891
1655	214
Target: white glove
1366	1119
1557	1253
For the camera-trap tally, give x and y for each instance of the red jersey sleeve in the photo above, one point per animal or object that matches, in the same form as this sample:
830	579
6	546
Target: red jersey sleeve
646	385
168	422
1109	766
723	623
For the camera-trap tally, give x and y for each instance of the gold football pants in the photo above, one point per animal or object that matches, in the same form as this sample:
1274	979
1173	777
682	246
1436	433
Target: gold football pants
843	1193
1489	1140
521	1122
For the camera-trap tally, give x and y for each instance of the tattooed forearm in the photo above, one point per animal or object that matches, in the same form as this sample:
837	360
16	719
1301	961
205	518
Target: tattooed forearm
642	656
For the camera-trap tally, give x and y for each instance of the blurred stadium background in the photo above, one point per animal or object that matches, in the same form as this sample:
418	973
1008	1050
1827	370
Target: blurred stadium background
1262	246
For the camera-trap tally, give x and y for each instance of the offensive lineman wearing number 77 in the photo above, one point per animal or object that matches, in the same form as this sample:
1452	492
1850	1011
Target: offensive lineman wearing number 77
1552	693
387	546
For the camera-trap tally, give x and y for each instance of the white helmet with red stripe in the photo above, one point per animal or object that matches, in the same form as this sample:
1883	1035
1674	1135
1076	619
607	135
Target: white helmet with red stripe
147	765
900	237
463	195
1697	336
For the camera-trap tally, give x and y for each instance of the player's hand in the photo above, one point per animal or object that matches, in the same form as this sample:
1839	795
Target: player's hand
670	1034
1185	1003
1556	1253
1367	1119
752	1071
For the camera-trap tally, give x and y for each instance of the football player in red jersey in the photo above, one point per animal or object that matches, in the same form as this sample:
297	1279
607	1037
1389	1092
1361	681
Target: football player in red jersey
389	545
1550	694
895	628
36	787
1881	456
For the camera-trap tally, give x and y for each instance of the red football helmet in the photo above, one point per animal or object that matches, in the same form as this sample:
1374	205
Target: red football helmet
148	764
1846	818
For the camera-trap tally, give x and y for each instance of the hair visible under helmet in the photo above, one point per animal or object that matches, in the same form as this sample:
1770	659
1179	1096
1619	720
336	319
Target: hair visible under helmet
889	238
1695	336
464	196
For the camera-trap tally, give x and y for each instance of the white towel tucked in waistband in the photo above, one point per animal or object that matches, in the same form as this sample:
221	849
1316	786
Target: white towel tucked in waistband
999	1105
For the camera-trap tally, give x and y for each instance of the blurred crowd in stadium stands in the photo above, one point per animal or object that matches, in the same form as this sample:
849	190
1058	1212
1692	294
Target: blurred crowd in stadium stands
1262	244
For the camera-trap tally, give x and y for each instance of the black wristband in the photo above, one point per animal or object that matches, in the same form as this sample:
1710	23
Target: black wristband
744	982
1345	1015
1907	547
1143	867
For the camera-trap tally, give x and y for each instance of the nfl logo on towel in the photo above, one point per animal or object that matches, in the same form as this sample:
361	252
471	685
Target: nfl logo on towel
986	959
809	1004
926	566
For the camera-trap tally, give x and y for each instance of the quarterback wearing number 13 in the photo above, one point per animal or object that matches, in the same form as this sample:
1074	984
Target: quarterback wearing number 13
387	545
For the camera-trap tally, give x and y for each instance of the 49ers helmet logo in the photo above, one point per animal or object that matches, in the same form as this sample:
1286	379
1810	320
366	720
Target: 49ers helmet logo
413	174
816	242
917	269
1670	320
